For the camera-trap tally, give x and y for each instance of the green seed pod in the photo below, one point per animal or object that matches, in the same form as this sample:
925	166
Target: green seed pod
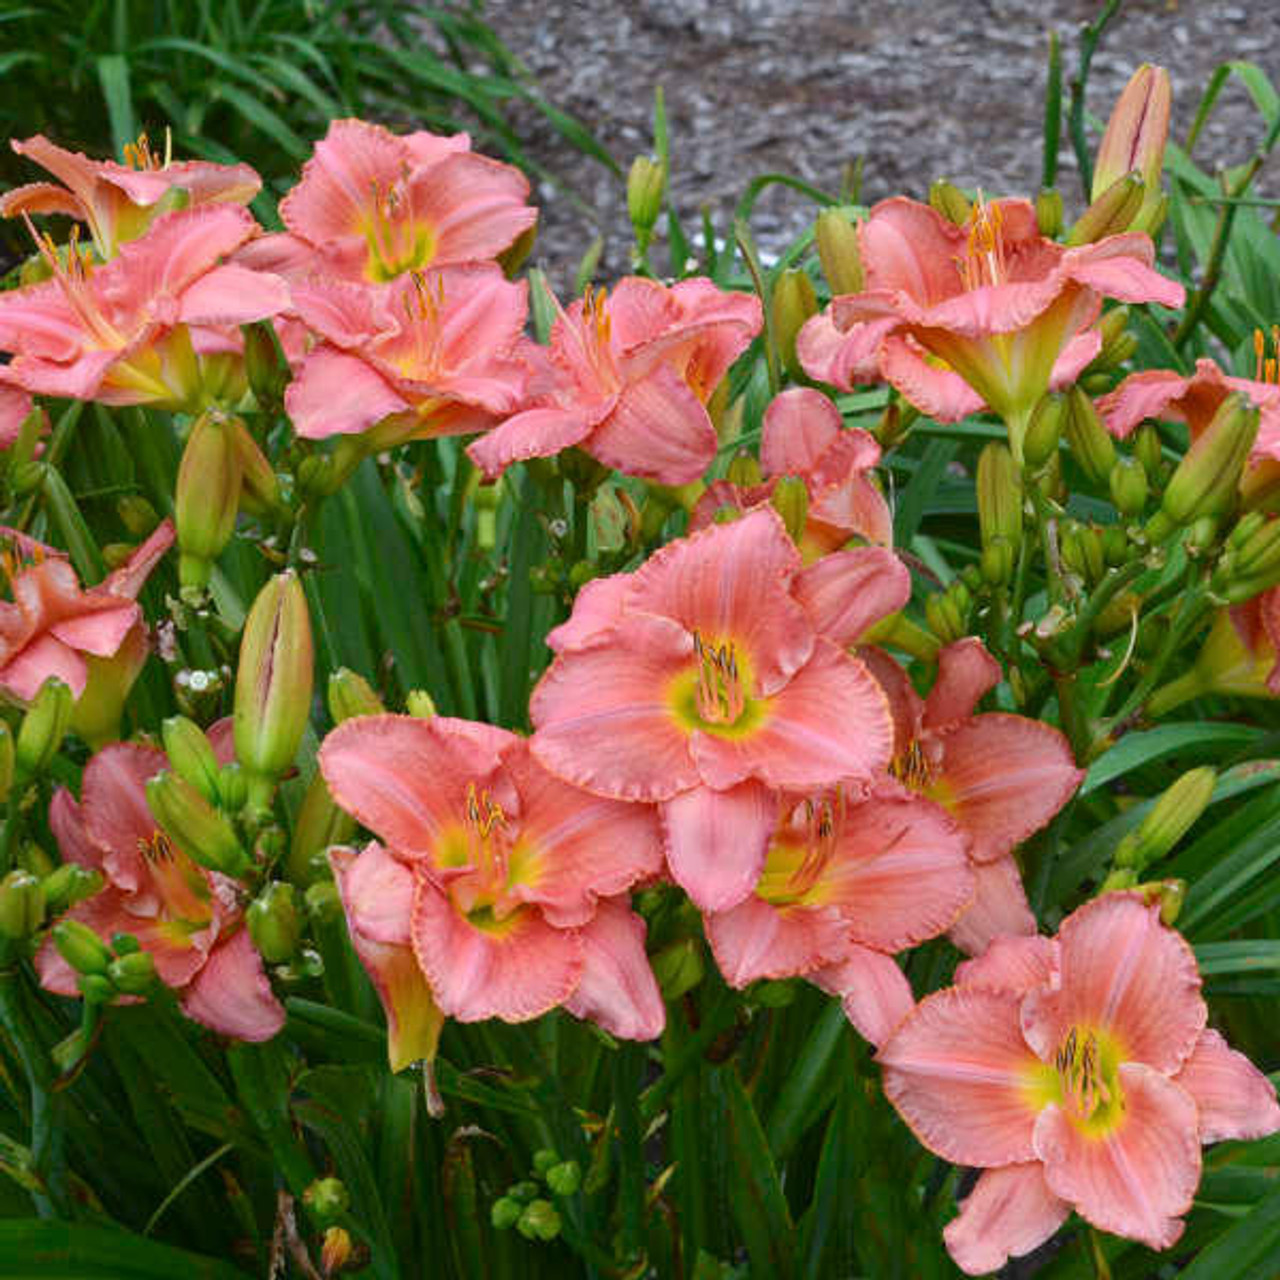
96	988
539	1221
69	884
1110	213
207	497
1148	449
790	499
1207	478
678	967
646	185
999	489
420	704
744	470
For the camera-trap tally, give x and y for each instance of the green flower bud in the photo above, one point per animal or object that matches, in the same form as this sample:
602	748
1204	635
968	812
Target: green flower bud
33	858
352	695
678	967
646	185
264	363
43	727
744	470
543	1159
790	499
7	759
207	497
950	201
539	1221
420	704
1245	528
836	236
773	994
195	826
565	1178
1111	212
1087	438
524	1191
505	1213
80	947
191	755
327	1198
96	988
273	684
1128	483
233	787
1148	449
318	825
324	905
792	303
260	486
133	974
1115	545
27	477
999	489
137	515
69	884
1251	565
274	922
125	944
1170	818
1044	430
1049	212
1207	478
21	905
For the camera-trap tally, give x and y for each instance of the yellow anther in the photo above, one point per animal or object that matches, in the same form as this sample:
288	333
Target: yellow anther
720	696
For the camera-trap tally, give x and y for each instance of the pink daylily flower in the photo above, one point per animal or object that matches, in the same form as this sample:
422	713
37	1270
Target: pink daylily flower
848	880
701	682
188	918
373	205
804	435
990	314
53	627
633	371
506	885
1000	776
126	332
119	202
1161	393
1077	1072
437	353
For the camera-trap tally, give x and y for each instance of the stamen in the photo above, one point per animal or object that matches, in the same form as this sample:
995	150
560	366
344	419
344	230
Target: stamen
486	839
984	261
912	768
1081	1076
720	696
180	885
1266	368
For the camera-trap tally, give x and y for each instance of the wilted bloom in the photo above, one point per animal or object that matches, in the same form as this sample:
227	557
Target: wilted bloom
186	917
1078	1073
633	371
702	682
126	332
435	353
373	205
991	313
119	202
95	640
848	880
805	436
1195	400
1001	777
504	884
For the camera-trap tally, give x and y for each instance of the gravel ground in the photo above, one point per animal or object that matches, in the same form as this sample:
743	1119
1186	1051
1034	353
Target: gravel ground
916	88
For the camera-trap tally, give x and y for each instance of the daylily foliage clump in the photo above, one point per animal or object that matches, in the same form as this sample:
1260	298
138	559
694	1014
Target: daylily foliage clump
755	680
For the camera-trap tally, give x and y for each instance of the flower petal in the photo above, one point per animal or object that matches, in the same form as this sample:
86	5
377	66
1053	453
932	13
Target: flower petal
231	994
842	357
716	841
67	824
1125	973
966	671
999	907
597	609
618	990
377	893
45	656
939	392
1012	964
799	425
1009	1212
1233	1098
757	940
959	1073
231	294
114	807
100	632
1136	1179
847	592
334	393
535	433
873	991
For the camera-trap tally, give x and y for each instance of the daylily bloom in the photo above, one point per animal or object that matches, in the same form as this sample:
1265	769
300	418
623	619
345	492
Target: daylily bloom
1078	1073
1161	393
505	883
991	313
848	880
94	640
804	436
701	682
634	370
372	205
123	333
434	353
1001	777
188	918
119	202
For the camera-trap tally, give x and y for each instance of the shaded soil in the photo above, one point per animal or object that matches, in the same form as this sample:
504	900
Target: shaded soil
916	89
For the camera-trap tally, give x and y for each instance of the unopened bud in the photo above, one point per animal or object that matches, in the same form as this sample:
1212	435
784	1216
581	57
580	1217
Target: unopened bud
539	1221
233	787
43	727
327	1198
1115	545
273	684
950	201
743	470
319	823
1148	449
194	825
1251	564
564	1178
264	363
999	488
191	755
80	947
133	974
839	252
790	499
260	486
1049	212
21	905
420	704
207	497
543	1159
792	303
678	968
1170	894
352	695
1087	438
1170	818
1111	211
1207	478
96	988
1128	482
1135	140
646	185
137	515
7	760
274	922
324	905
335	1250
68	884
1044	430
